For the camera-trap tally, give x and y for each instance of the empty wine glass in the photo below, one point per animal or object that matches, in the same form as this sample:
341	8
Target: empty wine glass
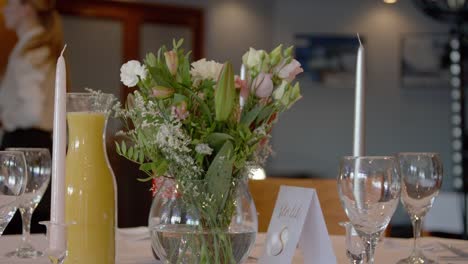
369	189
57	251
421	175
354	246
38	167
12	184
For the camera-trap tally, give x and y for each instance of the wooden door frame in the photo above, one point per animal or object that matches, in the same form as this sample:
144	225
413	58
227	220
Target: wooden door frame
132	16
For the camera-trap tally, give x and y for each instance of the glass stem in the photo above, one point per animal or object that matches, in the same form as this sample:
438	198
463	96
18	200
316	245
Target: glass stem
416	222
370	243
26	215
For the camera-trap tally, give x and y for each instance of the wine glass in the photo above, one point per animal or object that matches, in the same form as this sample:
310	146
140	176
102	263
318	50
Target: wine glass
354	245
421	175
12	184
38	166
369	189
56	251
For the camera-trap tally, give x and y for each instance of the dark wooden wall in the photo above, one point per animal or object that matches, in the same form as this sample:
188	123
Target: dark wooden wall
134	197
133	15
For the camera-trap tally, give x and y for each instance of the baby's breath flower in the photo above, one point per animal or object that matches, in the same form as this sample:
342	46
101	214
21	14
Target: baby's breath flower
203	149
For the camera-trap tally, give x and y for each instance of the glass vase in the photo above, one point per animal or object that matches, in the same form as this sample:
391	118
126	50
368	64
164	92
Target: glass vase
90	184
184	228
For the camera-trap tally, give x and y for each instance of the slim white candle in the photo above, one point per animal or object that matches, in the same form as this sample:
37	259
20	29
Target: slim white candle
242	72
57	208
359	108
242	77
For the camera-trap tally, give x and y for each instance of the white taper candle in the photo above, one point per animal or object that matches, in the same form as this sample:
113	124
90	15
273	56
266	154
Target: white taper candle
242	77
359	142
57	208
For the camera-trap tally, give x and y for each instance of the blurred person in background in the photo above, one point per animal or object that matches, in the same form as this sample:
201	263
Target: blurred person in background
27	89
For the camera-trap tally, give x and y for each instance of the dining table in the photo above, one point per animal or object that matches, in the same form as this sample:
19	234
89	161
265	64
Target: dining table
134	246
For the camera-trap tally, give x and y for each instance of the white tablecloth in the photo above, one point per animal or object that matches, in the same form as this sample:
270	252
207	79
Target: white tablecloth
136	249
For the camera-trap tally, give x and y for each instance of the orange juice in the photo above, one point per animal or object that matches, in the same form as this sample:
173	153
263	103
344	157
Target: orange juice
90	194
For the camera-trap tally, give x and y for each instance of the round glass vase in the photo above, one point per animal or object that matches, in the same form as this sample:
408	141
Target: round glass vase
185	227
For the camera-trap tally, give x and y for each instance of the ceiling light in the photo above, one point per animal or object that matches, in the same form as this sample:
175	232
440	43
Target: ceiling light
390	1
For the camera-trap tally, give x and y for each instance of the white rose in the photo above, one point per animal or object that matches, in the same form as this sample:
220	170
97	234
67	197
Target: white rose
253	58
206	70
131	73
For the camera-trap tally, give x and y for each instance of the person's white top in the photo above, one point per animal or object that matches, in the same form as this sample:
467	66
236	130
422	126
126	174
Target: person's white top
27	90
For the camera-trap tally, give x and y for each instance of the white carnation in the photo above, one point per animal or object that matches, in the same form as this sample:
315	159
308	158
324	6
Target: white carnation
130	71
203	149
206	70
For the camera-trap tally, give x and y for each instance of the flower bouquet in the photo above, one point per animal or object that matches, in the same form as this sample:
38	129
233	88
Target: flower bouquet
198	126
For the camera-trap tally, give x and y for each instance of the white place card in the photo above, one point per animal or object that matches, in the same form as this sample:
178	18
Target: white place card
297	219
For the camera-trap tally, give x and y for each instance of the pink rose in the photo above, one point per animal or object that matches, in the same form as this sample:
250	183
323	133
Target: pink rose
263	85
290	70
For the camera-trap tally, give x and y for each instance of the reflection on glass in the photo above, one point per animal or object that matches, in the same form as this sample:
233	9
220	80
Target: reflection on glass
421	180
12	184
38	167
369	189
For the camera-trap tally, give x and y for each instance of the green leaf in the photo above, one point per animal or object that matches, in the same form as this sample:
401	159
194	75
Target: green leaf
124	148
225	93
219	175
146	167
135	154
145	179
117	148
203	105
161	169
179	98
217	140
265	114
249	117
154	167
130	153
141	157
244	131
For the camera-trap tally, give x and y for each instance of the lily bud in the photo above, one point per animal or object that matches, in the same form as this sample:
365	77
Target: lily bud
295	94
275	55
172	61
288	51
225	93
279	92
130	101
291	96
162	92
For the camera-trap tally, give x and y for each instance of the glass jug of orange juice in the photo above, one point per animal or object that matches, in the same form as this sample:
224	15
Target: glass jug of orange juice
90	184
